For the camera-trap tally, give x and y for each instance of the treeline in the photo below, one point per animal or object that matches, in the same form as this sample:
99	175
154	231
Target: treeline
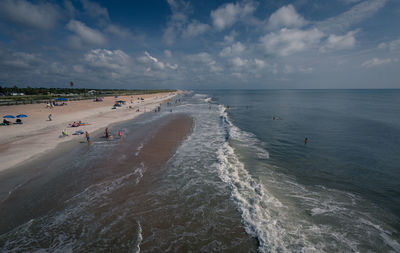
8	91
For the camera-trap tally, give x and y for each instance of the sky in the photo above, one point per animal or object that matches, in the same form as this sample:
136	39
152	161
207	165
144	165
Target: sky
179	44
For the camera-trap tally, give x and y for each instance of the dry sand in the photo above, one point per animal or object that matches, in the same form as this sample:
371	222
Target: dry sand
19	143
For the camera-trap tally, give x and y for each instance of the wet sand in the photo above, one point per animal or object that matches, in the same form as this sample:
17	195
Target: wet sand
49	184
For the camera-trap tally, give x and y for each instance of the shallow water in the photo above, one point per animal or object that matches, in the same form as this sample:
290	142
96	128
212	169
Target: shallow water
241	182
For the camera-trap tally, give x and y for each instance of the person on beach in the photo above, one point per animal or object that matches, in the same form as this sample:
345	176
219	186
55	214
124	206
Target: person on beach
107	133
50	117
87	136
305	141
120	134
64	133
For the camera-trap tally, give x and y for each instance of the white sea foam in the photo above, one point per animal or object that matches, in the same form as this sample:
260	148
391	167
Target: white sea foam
139	148
246	139
139	238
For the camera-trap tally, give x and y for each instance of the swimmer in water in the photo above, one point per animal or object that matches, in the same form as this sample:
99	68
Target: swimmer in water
305	141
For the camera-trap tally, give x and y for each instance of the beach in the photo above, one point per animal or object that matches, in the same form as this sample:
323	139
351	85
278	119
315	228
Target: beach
200	176
19	143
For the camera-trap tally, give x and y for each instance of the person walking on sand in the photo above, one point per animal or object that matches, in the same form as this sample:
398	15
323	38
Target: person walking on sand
50	117
120	134
107	133
87	136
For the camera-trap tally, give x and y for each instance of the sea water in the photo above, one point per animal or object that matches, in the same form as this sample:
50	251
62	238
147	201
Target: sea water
338	192
243	181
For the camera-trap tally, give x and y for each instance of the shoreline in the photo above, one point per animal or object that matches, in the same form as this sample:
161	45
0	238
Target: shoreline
64	178
21	144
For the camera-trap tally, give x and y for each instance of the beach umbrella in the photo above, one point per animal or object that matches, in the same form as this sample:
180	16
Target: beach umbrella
62	99
9	117
22	116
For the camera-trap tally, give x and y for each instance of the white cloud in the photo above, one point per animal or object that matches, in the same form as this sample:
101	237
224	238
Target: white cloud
85	34
203	61
228	14
290	41
286	16
355	15
94	10
239	62
151	58
288	69
155	63
168	53
337	42
229	39
172	66
260	63
41	16
392	45
118	31
195	28
376	62
382	45
177	21
306	70
235	49
112	60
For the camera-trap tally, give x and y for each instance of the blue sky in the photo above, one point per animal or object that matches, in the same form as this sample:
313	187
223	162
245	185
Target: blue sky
200	44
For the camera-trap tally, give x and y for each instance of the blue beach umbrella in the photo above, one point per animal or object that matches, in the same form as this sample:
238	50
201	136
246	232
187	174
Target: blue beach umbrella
62	99
9	117
22	116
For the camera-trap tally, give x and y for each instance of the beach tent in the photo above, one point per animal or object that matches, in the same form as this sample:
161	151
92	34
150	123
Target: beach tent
22	116
61	99
9	117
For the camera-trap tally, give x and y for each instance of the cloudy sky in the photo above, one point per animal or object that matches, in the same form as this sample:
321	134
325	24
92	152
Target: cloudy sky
200	44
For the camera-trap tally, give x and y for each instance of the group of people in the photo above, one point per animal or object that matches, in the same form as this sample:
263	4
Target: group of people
8	123
52	104
107	134
76	124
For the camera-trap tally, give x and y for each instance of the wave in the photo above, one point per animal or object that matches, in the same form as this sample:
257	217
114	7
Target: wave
246	139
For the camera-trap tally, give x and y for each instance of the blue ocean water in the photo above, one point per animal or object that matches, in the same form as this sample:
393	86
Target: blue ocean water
354	136
342	188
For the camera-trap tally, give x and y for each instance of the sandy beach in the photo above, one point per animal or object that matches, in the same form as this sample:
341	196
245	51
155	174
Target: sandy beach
45	184
20	143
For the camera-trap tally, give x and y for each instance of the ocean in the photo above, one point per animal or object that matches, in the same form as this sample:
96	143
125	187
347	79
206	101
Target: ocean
244	180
